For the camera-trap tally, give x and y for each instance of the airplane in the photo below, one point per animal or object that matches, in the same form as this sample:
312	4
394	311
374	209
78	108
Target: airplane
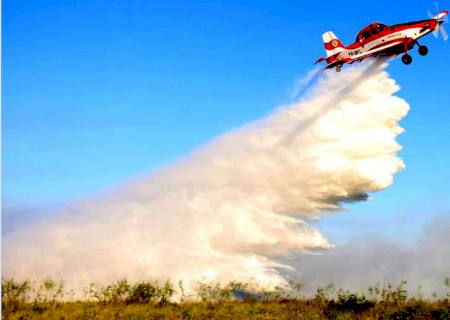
379	40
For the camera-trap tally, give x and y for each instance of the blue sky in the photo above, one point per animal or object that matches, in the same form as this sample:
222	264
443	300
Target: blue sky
97	92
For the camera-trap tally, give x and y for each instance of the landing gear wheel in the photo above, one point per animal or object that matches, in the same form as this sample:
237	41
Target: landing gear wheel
423	51
406	59
338	68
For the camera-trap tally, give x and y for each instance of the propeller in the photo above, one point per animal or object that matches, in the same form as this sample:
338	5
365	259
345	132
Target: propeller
443	33
440	21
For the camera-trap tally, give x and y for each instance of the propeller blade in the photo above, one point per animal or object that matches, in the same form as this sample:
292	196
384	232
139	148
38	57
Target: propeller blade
440	21
444	33
436	32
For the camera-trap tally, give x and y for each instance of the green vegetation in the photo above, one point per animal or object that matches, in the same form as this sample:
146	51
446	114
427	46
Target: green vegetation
147	300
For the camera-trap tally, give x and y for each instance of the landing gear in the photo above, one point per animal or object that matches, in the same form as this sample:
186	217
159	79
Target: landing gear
338	68
423	51
406	59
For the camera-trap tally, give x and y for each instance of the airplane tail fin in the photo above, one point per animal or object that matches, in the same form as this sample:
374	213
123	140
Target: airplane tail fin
333	45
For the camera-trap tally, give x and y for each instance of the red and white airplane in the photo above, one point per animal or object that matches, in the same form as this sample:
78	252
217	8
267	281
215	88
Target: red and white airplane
379	40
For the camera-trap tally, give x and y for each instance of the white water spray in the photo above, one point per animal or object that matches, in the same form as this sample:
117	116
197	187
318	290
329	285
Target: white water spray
234	206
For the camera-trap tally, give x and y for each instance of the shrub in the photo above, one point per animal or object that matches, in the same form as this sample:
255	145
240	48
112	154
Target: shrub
353	303
142	292
14	295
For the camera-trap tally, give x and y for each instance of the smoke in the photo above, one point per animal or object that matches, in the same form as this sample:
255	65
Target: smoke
233	207
368	260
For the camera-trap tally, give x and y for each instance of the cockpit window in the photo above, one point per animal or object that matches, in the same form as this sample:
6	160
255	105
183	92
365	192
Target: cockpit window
379	27
366	34
370	31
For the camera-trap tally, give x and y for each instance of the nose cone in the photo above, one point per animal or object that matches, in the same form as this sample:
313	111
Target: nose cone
441	15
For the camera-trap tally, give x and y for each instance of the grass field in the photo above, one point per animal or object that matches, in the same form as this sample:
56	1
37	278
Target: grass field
145	300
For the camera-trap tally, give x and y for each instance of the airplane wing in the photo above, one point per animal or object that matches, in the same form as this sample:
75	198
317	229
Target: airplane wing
320	60
334	64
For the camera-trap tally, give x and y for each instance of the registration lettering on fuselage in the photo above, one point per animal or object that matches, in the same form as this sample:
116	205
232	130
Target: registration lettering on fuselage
354	53
394	35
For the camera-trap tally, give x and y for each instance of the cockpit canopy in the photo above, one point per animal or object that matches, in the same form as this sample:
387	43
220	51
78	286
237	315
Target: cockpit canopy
370	31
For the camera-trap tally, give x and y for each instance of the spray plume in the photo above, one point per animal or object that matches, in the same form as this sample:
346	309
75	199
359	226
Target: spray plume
232	207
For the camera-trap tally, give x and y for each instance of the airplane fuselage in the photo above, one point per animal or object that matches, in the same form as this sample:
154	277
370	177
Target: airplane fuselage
378	39
394	41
